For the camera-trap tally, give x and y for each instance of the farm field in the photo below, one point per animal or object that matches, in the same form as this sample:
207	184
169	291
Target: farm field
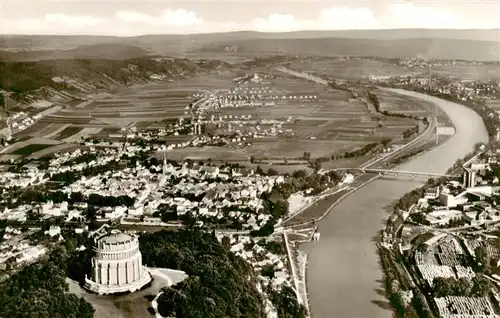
136	105
140	103
68	132
215	153
280	168
359	69
347	69
29	149
296	148
394	103
12	149
334	123
494	104
49	150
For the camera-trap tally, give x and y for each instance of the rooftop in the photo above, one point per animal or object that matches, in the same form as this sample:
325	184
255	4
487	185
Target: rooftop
116	237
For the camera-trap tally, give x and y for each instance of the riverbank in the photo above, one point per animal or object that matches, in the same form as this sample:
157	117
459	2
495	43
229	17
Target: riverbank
344	276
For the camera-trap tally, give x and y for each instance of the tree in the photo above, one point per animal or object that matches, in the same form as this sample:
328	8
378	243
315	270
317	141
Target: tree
420	304
299	174
220	284
286	303
259	171
268	271
279	209
40	290
482	258
315	165
272	172
226	241
91	214
266	230
480	286
419	218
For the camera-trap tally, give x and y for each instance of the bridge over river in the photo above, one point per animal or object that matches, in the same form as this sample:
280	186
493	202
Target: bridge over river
394	172
344	278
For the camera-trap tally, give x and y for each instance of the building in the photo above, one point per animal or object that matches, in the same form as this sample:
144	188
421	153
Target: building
117	265
450	200
431	193
470	174
469	178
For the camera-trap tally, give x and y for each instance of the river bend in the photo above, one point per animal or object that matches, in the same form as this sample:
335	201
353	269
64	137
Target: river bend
344	277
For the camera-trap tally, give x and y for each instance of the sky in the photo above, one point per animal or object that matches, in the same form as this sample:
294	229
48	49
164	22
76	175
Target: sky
131	18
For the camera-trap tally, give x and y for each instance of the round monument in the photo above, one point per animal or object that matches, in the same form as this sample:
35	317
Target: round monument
117	265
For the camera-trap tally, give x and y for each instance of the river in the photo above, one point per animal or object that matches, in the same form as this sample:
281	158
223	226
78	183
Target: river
344	277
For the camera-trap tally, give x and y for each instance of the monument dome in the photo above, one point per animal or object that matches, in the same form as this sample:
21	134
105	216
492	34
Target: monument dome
117	265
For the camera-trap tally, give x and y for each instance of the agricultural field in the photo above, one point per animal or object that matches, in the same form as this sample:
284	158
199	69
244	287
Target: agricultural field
29	149
494	104
469	72
26	147
68	132
410	106
360	68
201	153
296	148
347	68
401	104
47	151
334	123
139	105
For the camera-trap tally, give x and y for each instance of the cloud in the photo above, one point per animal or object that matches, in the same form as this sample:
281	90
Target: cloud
52	23
412	16
180	20
347	18
276	22
72	21
178	17
334	18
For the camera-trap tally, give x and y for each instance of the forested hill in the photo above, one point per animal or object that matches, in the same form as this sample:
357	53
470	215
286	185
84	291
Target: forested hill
96	51
172	44
422	48
220	284
62	79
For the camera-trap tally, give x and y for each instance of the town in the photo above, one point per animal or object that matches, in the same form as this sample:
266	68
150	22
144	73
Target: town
348	173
